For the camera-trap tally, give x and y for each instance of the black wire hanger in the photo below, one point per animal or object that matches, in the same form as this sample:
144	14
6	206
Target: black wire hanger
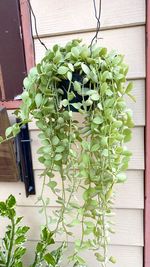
97	16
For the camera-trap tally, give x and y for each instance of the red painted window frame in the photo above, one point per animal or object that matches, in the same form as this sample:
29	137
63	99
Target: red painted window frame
28	47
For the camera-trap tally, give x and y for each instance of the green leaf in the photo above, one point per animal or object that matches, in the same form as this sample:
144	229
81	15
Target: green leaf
59	149
46	149
109	92
75	52
40	125
55	140
99	257
39	247
11	201
33	72
76	105
62	70
49	259
52	184
128	135
58	57
58	157
71	67
80	260
38	100
107	75
26	83
19	220
69	75
95	96
85	158
74	222
112	260
75	205
19	252
104	87
104	141
132	97
64	103
1	139
86	145
24	96
77	86
3	207
95	147
20	240
105	153
22	230
99	105
15	129
8	131
129	87
127	153
89	224
85	68
121	177
88	102
98	120
117	124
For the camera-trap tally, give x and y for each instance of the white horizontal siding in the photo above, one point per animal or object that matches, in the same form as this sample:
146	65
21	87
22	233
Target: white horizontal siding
61	17
125	197
127	256
128	225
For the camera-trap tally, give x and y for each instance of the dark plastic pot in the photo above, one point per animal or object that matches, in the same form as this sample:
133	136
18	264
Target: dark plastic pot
64	86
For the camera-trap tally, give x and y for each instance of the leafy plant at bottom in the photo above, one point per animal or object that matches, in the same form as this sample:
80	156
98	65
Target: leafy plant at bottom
13	248
42	256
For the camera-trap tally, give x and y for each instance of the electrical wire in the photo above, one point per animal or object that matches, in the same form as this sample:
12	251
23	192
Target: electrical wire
97	16
35	25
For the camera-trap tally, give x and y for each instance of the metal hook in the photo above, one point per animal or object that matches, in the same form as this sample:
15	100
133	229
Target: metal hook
98	24
35	24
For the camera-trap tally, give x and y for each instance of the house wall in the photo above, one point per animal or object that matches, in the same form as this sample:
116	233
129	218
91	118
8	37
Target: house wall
123	29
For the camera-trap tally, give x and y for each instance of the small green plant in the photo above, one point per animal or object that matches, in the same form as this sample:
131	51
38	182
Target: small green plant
13	249
42	256
90	158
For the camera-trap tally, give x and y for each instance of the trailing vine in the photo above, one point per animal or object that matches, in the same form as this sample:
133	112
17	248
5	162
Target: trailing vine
90	157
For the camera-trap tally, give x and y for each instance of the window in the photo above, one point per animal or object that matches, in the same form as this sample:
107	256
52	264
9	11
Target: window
12	59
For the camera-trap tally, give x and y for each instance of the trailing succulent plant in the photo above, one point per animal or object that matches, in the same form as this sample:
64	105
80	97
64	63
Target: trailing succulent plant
85	147
13	249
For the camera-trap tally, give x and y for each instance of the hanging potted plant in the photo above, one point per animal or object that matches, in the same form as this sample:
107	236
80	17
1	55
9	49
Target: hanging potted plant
90	158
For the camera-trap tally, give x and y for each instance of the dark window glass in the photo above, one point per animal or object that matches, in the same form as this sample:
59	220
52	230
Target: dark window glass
12	60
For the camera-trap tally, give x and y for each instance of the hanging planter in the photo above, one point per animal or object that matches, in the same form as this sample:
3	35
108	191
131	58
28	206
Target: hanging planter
76	95
91	158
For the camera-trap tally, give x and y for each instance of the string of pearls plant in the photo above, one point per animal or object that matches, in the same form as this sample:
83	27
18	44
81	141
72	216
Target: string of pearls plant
85	147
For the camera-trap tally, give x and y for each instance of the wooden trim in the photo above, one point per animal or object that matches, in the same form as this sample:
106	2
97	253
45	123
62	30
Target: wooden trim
27	34
28	47
13	104
147	144
2	84
8	167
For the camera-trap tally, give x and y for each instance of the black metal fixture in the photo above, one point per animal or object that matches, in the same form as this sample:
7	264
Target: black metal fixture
24	160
